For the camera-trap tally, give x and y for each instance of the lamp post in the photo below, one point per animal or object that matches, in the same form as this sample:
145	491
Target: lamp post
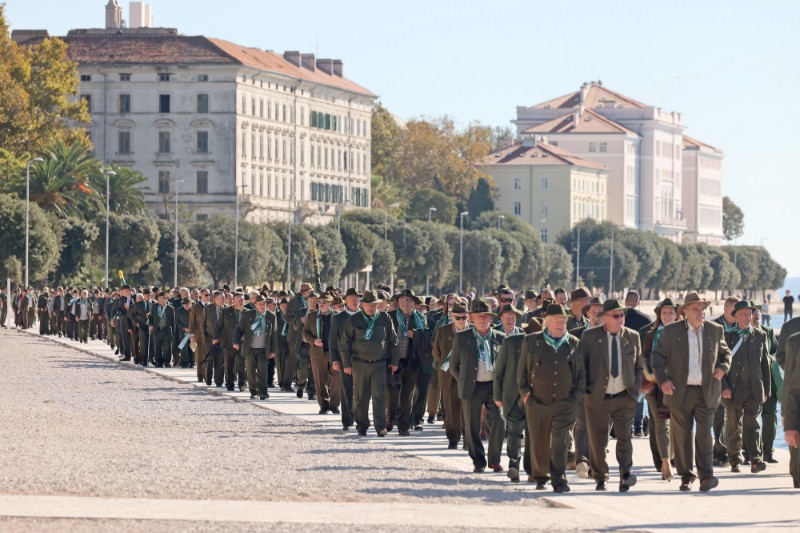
236	245
28	210
461	255
501	217
108	174
428	277
177	187
385	222
289	251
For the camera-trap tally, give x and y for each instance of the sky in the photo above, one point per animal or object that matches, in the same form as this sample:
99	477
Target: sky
723	64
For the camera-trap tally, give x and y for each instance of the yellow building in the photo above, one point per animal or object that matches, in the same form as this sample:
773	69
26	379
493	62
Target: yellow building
547	186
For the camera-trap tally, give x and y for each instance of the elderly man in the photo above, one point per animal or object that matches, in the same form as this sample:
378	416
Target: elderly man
182	328
728	322
745	388
161	324
367	347
689	361
235	370
472	364
351	301
552	382
577	301
256	336
83	315
215	362
790	405
317	333
196	319
455	320
769	411
612	356
295	317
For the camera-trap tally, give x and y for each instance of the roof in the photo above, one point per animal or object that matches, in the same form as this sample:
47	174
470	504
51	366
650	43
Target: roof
595	95
159	46
689	142
538	154
588	122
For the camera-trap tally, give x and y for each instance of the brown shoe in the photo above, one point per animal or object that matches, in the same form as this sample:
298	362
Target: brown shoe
757	466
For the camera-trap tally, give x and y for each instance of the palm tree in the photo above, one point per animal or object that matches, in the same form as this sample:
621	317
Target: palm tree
125	195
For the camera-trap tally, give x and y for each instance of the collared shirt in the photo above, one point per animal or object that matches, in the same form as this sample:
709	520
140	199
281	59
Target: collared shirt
615	384
695	355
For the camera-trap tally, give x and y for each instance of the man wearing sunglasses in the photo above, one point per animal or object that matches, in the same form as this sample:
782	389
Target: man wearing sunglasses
612	356
442	344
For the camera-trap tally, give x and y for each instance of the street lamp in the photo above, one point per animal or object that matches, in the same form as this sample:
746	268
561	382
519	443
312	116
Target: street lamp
236	254
461	254
177	186
430	212
28	210
108	174
385	222
289	253
501	217
428	277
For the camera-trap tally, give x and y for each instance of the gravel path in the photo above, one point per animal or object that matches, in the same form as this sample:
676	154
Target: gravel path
73	424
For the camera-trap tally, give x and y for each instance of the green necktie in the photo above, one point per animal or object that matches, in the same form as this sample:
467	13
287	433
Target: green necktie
614	356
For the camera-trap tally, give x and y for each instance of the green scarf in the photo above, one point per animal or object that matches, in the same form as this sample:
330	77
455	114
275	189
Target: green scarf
484	349
257	327
657	334
370	324
553	342
416	316
742	332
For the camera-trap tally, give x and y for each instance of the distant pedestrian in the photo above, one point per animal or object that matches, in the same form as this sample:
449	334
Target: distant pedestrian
788	302
765	313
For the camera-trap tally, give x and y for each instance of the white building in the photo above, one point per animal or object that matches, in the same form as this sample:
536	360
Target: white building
643	148
288	133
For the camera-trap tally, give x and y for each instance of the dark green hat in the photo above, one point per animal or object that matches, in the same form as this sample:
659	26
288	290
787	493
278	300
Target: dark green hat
743	304
555	310
480	306
369	298
613	305
352	292
666	302
408	293
509	308
531	294
594	301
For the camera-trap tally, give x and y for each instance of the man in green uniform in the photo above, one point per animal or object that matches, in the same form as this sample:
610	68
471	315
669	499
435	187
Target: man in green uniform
139	316
745	388
256	336
223	334
577	301
316	333
215	363
285	375
367	346
351	299
551	381
769	411
181	330
295	317
790	404
162	323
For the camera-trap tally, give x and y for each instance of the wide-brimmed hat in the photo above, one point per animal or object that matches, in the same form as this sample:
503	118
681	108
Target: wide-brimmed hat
613	304
693	297
743	304
480	306
260	298
556	310
666	302
581	292
509	308
369	297
545	303
186	301
408	293
594	301
305	287
161	295
327	297
459	307
352	292
530	294
146	291
338	300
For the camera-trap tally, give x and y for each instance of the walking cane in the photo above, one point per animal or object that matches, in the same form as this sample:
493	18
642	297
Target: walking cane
149	332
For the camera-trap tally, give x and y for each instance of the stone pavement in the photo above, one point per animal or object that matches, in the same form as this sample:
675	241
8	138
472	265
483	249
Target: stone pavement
752	501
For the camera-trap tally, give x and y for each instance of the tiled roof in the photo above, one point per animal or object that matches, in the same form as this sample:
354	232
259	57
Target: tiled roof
689	142
596	96
588	122
538	154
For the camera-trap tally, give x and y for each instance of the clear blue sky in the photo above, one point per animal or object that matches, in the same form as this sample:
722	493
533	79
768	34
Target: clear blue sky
724	64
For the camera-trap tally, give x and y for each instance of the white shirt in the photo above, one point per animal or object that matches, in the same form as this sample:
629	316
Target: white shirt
615	384
695	355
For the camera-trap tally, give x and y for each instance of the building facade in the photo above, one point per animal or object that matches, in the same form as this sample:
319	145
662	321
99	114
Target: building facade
211	120
547	186
643	149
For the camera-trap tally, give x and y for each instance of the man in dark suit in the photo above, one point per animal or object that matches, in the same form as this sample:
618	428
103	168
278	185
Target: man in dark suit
122	323
690	360
161	326
295	317
215	362
139	316
223	334
612	356
444	335
472	364
196	318
506	396
282	359
634	319
317	334
338	322
182	329
256	336
790	404
769	411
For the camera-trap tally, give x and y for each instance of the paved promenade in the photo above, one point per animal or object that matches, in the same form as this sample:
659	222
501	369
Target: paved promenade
76	419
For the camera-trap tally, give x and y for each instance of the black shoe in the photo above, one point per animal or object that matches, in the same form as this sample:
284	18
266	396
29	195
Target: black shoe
541	485
452	446
312	397
362	433
241	388
708	483
403	433
125	359
601	486
746	461
323	411
418	428
627	481
264	396
335	410
430	419
686	486
561	488
253	396
300	392
345	428
439	417
638	433
382	432
478	469
513	474
230	389
770	459
736	469
757	466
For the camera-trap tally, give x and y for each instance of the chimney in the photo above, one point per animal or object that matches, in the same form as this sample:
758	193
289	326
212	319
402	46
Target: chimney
292	57
307	61
584	92
113	14
576	117
338	68
325	65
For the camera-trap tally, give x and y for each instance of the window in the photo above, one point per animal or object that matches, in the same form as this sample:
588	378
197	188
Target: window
124	142
517	184
201	216
88	99
202	182
164	142
544	183
202	103
603	147
544	209
202	142
592	147
164	77
164	103
124	77
543	235
202	77
517	208
86	77
124	103
163	181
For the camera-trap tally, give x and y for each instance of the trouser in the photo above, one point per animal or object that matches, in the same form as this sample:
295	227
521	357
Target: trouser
235	369
303	366
346	399
271	372
720	436
94	327
123	338
400	398
794	467
281	360
136	338
186	355
516	424
3	315
787	315
548	425
72	327
215	367
769	422
369	382
144	336
659	430
638	415
163	346
693	411
31	317
742	425
256	363
59	325
600	413
434	395
420	395
200	356
452	406
326	383
44	323
578	437
111	335
83	330
483	396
